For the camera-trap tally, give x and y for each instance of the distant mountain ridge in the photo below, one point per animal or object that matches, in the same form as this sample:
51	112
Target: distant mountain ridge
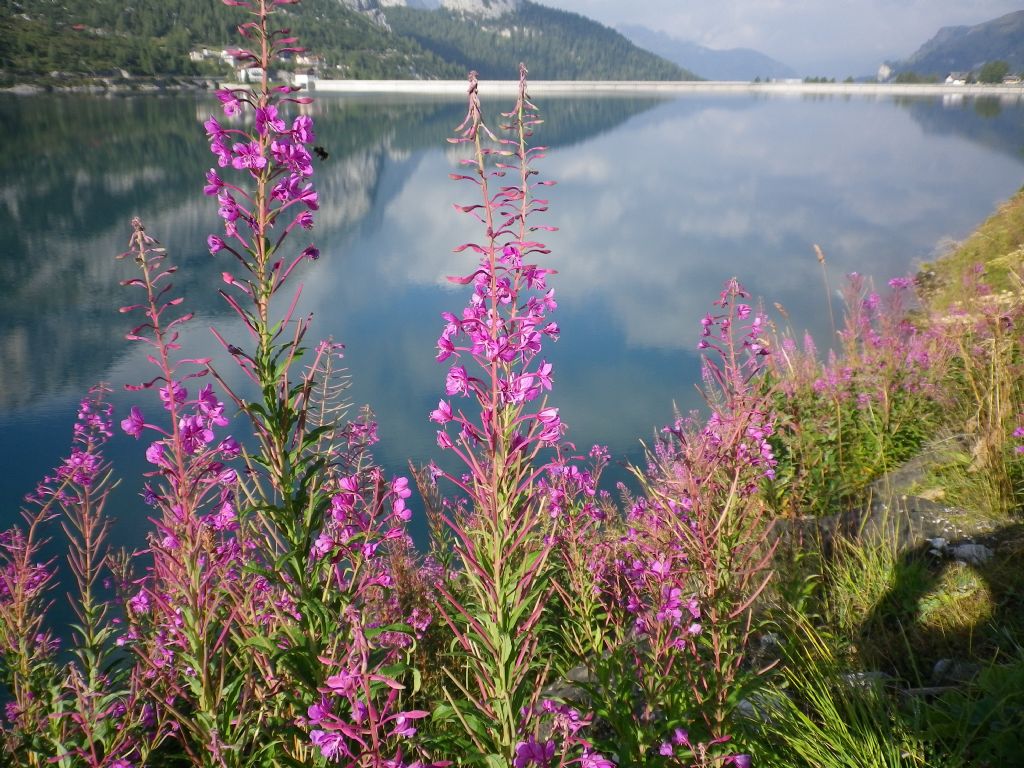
154	37
487	9
386	39
968	48
728	64
493	36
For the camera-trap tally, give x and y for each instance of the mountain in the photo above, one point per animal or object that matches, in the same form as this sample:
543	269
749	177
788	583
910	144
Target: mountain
967	49
728	64
150	37
389	39
493	36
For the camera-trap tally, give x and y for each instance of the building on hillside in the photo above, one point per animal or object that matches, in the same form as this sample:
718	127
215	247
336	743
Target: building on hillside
305	79
957	78
250	74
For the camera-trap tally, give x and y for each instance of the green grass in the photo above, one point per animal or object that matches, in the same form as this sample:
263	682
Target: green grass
998	245
867	605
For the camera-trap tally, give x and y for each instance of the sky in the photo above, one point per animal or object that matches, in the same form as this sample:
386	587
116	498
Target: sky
835	38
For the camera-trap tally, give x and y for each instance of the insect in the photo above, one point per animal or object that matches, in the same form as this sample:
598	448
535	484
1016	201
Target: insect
320	152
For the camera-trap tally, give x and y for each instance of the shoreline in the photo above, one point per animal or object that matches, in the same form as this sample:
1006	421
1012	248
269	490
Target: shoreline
666	88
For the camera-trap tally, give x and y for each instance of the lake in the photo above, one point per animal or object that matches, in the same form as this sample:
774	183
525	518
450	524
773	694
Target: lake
658	201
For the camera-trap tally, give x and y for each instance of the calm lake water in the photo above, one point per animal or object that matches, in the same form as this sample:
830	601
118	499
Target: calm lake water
658	202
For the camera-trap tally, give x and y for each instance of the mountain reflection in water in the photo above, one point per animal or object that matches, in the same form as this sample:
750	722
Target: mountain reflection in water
658	201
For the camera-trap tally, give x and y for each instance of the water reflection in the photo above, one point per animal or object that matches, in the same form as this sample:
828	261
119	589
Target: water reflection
1000	127
658	202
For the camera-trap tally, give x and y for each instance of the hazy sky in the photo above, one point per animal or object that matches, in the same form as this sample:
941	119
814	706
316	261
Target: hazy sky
827	37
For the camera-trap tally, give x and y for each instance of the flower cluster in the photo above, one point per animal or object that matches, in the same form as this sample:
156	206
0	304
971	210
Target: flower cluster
863	409
563	745
359	714
275	195
84	466
187	455
504	325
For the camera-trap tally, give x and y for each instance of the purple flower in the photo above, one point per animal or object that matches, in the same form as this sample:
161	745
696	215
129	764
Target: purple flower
134	424
155	454
302	129
323	545
310	197
403	727
457	381
899	284
224	519
292	156
231	104
248	156
266	117
213	129
195	434
139	604
211	407
219	147
149	496
594	760
229	447
331	744
345	683
213	183
227	208
173	392
532	752
442	414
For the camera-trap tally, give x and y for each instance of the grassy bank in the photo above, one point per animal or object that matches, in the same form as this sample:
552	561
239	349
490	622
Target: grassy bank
899	606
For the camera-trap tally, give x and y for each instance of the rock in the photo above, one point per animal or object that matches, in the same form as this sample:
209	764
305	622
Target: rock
25	89
487	9
972	554
872	679
948	671
761	705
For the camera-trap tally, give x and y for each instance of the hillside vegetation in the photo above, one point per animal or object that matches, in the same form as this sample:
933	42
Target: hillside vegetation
967	49
557	45
99	37
144	38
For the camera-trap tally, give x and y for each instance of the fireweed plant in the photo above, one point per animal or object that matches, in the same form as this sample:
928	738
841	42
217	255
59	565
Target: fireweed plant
702	486
321	513
278	612
503	525
989	354
865	409
81	708
660	605
185	615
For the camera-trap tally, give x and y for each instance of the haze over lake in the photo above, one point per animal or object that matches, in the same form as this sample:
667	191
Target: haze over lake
658	201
